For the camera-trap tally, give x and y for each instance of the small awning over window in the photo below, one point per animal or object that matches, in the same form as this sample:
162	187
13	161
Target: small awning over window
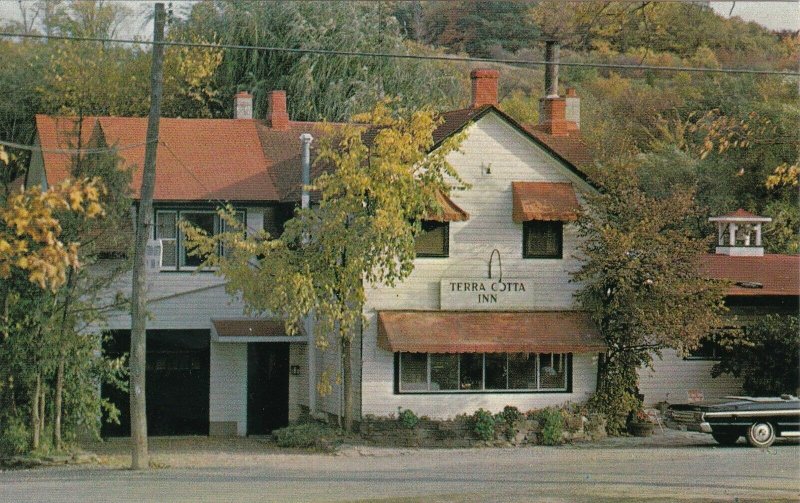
488	332
249	328
450	211
544	201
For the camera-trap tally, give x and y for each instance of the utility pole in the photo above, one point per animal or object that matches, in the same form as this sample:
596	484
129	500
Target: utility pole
144	229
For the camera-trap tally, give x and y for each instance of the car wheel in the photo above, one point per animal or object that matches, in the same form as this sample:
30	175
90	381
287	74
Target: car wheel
726	438
760	434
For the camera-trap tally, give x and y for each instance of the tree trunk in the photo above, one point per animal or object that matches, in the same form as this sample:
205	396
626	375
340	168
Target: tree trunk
347	383
35	424
42	409
144	226
57	401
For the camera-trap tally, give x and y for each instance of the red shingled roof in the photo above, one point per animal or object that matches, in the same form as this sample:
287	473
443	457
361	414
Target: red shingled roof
487	332
740	213
234	159
570	148
198	159
777	274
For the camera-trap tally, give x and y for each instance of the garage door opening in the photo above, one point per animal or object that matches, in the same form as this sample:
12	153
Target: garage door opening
177	383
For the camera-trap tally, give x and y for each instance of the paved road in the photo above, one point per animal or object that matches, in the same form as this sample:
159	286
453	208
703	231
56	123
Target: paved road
616	472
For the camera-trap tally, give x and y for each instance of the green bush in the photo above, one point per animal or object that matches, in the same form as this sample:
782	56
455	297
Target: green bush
408	419
304	435
483	424
507	418
14	436
764	356
552	423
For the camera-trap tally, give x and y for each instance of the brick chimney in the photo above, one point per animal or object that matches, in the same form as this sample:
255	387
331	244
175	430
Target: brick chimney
484	87
243	105
553	116
277	117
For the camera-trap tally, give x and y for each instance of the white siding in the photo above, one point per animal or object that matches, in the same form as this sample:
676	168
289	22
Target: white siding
298	385
672	377
228	386
510	156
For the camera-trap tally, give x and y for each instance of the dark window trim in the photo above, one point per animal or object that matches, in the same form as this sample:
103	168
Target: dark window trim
178	236
446	252
568	389
526	231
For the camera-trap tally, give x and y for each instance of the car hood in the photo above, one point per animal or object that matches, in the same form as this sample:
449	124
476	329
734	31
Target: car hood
741	403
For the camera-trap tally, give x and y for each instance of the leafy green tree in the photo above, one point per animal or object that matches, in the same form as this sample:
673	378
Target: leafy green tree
319	86
50	360
640	284
371	203
765	356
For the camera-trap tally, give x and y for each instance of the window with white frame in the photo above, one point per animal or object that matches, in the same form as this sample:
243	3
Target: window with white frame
175	255
482	372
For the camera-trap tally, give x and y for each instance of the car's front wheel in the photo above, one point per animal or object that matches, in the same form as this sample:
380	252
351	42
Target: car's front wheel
725	438
761	434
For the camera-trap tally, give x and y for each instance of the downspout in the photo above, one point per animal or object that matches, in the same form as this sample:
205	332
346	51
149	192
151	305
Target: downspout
305	203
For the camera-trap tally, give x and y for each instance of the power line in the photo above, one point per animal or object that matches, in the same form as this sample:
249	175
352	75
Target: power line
72	151
330	52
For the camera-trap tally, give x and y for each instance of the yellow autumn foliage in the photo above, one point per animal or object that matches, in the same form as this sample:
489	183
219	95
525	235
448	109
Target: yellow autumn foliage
30	230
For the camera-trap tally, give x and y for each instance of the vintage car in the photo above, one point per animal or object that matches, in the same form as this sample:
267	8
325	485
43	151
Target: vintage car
760	420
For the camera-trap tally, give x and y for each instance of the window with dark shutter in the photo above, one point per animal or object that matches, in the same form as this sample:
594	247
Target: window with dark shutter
433	241
542	239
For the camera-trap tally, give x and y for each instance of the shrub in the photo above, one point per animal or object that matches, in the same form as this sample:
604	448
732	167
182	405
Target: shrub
507	418
408	419
14	436
552	423
304	435
765	356
483	424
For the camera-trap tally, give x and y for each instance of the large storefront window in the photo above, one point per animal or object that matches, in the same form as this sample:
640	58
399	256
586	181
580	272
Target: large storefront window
483	372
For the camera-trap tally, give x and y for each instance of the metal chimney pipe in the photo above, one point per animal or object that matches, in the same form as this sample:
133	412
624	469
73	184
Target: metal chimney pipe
551	54
308	322
305	141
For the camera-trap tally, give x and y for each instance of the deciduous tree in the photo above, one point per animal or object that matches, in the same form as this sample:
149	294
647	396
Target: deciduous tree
640	284
372	198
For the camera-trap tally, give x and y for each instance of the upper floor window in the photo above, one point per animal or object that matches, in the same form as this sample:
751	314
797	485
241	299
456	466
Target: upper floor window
434	240
542	239
174	252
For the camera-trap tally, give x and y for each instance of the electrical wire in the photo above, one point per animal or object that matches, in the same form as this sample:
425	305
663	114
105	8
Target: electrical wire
73	151
330	52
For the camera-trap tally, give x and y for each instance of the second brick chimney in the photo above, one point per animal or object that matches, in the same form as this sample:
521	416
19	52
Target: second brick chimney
277	116
484	87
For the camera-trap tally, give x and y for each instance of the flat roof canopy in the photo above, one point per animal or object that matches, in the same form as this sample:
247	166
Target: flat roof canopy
488	332
548	201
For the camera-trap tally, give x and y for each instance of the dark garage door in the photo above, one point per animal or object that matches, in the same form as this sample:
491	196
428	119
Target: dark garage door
177	383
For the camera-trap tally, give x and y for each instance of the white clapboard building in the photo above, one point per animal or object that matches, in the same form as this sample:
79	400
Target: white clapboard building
486	319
